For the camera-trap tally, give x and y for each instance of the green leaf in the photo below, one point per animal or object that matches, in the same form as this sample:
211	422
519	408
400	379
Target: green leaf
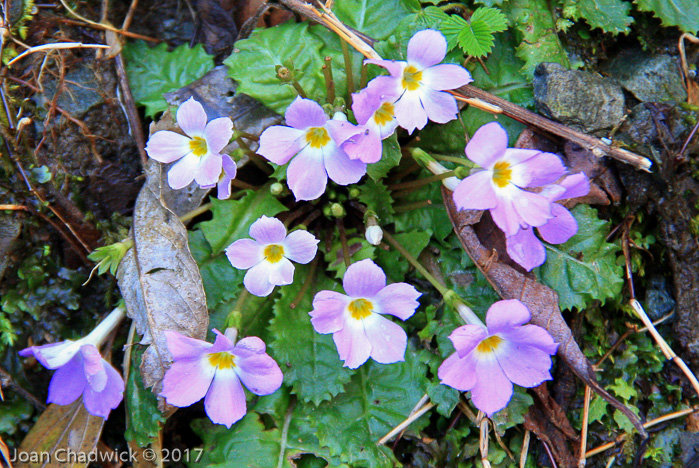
375	18
583	269
310	360
513	413
153	71
681	13
445	397
143	419
359	249
379	397
623	389
377	198
253	62
390	158
475	36
494	18
393	262
232	218
609	15
221	281
433	216
598	409
395	47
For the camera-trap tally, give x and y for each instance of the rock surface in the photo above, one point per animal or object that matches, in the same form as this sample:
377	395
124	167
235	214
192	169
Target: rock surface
649	78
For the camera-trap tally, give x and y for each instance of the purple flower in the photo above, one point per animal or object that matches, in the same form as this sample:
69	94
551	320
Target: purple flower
420	82
525	248
488	360
315	141
216	370
266	256
356	321
375	113
198	152
498	187
81	371
223	187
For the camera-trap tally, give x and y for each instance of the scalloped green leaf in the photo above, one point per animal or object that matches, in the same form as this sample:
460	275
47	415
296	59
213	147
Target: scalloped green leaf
583	269
377	198
143	418
476	36
310	361
681	13
375	18
153	71
610	16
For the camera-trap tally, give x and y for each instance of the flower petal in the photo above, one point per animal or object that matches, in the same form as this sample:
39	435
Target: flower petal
306	175
388	340
426	48
218	133
93	367
341	130
229	172
409	111
304	113
352	344
446	76
542	169
101	403
53	355
181	174
364	279
191	118
398	299
494	390
68	383
467	337
267	230
476	192
209	169
526	249
524	365
278	144
395	68
244	254
532	208
166	146
487	145
458	373
327	315
185	347
259	372
187	381
576	185
505	315
365	146
532	335
225	401
341	169
256	280
300	246
561	227
281	273
439	106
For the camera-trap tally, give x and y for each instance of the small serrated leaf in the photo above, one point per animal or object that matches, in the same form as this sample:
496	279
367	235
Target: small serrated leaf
681	13
377	198
390	158
476	39
610	16
494	18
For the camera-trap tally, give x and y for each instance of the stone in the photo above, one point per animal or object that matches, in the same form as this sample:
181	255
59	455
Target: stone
649	78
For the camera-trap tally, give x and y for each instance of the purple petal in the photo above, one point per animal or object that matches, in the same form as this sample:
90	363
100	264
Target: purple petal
440	106
306	175
341	130
398	299
327	315
259	373
229	172
102	402
576	185
244	254
487	145
532	335
476	192
248	346
300	246
256	280
218	133
505	315
166	146
225	401
426	48
365	103
446	76
93	367
278	144
561	227
68	383
187	381
182	173
532	208
364	279
352	344
191	118
458	373
516	156
467	337
505	216
494	390
395	68
53	355
542	169
388	340
209	169
341	169
524	365
304	113
223	343
281	273
185	347
526	249
268	230
409	112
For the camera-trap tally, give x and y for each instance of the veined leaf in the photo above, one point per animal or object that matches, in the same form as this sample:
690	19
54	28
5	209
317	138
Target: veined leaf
143	418
475	36
377	198
375	18
681	13
609	15
390	158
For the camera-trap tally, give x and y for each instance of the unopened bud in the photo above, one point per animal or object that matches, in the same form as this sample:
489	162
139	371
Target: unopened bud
354	193
340	116
462	172
374	234
338	210
451	183
276	189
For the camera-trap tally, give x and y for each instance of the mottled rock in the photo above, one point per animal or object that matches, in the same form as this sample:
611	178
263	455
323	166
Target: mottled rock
649	78
585	101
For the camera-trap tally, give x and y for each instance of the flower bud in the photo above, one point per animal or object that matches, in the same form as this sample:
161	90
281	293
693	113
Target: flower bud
374	234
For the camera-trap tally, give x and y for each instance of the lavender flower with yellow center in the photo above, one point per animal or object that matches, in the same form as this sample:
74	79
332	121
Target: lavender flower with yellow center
489	359
356	320
215	372
268	255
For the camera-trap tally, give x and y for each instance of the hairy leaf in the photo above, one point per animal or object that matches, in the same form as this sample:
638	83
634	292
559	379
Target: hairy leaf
375	18
583	269
390	158
143	418
377	198
153	71
609	15
681	13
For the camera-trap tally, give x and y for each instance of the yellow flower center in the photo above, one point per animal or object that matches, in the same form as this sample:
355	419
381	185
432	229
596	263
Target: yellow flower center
502	173
273	253
384	114
360	308
411	78
317	137
222	360
490	344
198	146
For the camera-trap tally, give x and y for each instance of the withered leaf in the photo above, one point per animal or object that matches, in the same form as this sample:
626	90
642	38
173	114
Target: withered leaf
70	428
541	300
160	280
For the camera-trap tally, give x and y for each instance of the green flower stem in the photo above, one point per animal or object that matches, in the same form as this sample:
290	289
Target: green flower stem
414	184
464	311
412	206
454	159
195	212
329	83
348	70
363	78
306	284
248	136
414	262
235	316
343	240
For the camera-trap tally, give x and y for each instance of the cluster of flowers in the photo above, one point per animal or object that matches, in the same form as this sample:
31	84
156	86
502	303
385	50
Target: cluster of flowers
489	357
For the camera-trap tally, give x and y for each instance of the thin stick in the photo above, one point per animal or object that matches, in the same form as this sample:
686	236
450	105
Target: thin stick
56	45
329	83
583	432
525	449
130	108
483	442
414	184
348	70
405	423
104	27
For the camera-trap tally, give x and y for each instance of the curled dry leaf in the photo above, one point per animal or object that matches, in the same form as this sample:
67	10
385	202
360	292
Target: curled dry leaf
160	280
542	301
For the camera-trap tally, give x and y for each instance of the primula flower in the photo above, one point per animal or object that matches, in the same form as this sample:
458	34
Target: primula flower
498	187
81	370
355	320
525	248
198	152
267	255
216	370
315	141
421	80
223	187
488	360
375	113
